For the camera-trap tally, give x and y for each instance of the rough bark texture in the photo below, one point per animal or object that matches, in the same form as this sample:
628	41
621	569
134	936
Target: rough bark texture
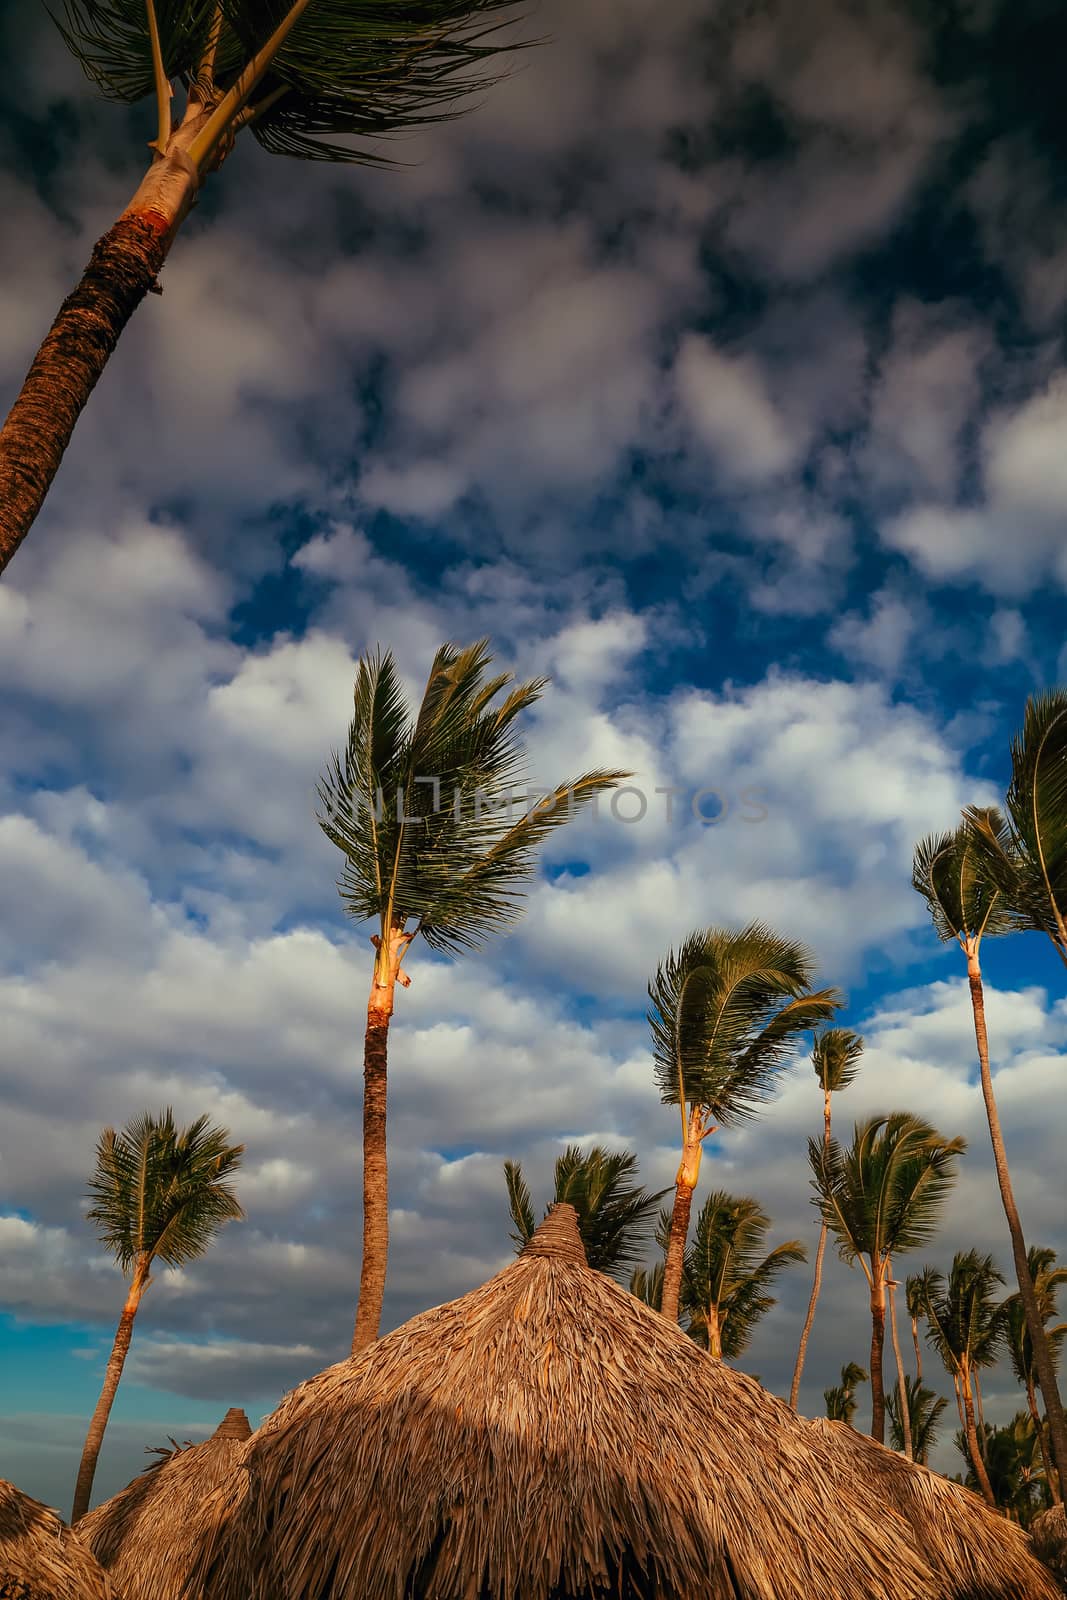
1046	1372
816	1285
902	1392
672	1271
877	1347
83	1488
918	1351
387	975
972	1441
1051	1476
714	1332
121	270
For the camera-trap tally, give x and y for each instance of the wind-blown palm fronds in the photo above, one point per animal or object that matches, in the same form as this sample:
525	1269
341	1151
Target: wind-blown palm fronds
1046	1278
615	1214
924	1413
974	884
883	1197
726	1009
965	1325
727	1281
440	838
840	1399
158	1193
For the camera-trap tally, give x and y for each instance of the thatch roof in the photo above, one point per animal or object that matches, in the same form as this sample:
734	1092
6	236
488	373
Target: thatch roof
40	1558
956	1530
1049	1533
146	1535
550	1436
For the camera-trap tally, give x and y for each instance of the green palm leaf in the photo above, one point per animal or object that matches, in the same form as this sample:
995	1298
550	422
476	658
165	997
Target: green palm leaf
952	872
615	1214
727	1270
836	1056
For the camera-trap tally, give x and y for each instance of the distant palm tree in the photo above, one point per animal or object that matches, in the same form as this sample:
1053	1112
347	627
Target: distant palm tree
836	1059
615	1215
902	1393
159	1193
646	1284
971	881
882	1197
726	1008
841	1399
725	1288
301	76
1013	1467
423	808
966	1328
1047	1278
925	1407
916	1288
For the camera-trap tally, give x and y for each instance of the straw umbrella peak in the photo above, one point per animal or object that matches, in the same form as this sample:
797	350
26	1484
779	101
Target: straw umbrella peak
40	1557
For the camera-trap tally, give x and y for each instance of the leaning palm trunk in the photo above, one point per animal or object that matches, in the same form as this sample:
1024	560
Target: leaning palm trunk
902	1391
877	1349
1046	1371
83	1488
816	1285
918	1351
684	1185
1051	1476
973	1445
387	974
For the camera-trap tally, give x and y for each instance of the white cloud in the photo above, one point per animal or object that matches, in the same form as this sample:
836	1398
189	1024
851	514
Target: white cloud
727	403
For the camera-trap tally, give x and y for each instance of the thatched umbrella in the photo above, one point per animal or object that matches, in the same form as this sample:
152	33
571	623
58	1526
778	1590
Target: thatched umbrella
550	1436
146	1535
40	1558
1049	1533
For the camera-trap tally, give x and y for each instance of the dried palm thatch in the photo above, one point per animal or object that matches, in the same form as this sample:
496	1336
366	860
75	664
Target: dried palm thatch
1049	1533
40	1558
145	1536
956	1530
549	1436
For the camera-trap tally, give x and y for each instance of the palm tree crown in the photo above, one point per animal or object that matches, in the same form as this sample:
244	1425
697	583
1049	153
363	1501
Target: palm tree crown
925	1407
841	1402
951	872
160	1192
836	1055
725	1289
615	1215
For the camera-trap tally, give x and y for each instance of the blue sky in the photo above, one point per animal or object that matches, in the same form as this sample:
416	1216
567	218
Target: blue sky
713	366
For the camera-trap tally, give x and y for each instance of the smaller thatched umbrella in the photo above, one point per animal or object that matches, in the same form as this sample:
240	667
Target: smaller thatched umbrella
40	1558
1049	1533
145	1535
549	1437
957	1532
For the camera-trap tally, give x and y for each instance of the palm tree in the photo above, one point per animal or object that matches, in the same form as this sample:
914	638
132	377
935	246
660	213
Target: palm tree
423	808
841	1399
902	1392
1046	1278
725	1010
970	896
159	1193
300	76
836	1059
614	1213
965	1327
727	1276
915	1291
882	1197
924	1413
1013	1467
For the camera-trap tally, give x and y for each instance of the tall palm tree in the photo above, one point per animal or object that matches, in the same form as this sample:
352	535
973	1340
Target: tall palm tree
925	1407
836	1059
305	78
158	1193
902	1393
883	1197
1047	1278
969	896
423	807
916	1288
965	1327
841	1402
615	1214
725	1288
726	1008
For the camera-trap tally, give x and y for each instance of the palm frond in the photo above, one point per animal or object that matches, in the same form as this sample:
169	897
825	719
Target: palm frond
726	1272
965	1321
110	40
615	1214
836	1056
952	872
1037	804
520	1205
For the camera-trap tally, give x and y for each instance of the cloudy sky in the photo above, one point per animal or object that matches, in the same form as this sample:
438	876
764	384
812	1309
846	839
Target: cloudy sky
713	366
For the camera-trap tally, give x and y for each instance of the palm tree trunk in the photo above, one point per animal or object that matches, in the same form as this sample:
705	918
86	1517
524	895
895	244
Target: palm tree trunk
1051	1477
375	1150
877	1347
83	1488
122	269
714	1332
1046	1372
684	1185
972	1441
918	1352
816	1285
902	1389
982	1440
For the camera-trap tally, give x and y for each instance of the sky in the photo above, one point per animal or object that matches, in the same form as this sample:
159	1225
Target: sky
712	366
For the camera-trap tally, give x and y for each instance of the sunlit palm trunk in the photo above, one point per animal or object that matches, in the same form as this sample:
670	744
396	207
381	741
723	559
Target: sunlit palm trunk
714	1332
877	1349
1051	1476
973	1446
684	1185
387	974
1046	1372
816	1284
902	1392
83	1488
918	1351
122	269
